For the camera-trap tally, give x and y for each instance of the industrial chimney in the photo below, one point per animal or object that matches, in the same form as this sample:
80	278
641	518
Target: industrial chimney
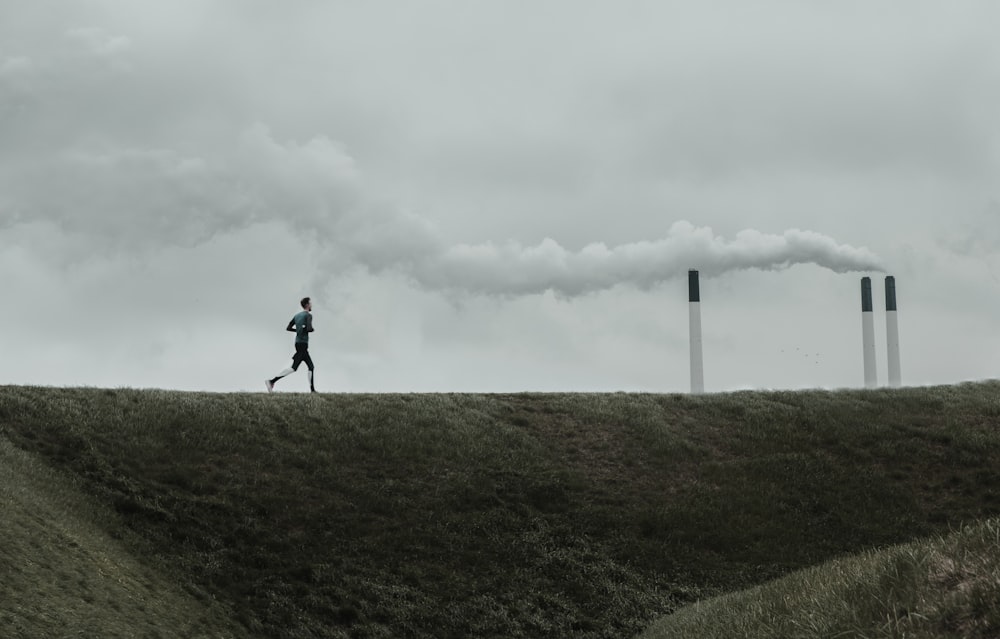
868	332
892	331
694	305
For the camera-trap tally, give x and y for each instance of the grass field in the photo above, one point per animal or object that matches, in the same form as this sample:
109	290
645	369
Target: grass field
152	513
934	588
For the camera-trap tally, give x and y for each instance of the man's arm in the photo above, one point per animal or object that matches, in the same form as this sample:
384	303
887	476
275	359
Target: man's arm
309	323
291	325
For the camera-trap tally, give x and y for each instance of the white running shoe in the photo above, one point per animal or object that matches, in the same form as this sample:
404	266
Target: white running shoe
270	385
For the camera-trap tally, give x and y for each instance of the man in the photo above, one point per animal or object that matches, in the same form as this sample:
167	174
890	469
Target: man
301	325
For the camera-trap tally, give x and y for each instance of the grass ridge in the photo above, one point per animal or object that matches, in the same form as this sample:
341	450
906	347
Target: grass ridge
507	515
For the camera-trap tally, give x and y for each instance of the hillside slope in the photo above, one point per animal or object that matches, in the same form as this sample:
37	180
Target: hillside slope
65	577
526	515
936	588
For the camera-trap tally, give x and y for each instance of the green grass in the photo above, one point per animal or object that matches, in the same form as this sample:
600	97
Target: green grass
525	515
62	576
944	587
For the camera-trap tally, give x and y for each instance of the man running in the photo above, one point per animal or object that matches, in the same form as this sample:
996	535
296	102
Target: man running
301	325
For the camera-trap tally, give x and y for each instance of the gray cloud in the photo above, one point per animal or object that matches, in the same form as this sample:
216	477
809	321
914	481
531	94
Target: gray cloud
133	200
129	198
538	164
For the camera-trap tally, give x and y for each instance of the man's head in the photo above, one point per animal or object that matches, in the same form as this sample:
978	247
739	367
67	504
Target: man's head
306	303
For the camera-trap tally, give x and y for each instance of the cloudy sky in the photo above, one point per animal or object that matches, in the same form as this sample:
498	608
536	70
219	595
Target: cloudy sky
496	196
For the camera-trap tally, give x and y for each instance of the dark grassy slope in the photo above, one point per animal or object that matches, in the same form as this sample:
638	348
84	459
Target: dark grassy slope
62	576
510	515
934	588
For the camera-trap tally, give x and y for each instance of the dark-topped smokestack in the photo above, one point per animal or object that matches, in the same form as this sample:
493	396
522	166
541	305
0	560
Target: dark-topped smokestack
892	332
694	314
868	332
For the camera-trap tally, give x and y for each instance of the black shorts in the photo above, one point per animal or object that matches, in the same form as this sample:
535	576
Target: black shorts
301	355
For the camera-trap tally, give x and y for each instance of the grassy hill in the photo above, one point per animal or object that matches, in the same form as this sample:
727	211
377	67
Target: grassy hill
62	575
943	587
525	515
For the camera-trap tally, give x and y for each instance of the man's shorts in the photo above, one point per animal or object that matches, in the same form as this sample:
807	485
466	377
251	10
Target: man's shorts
301	355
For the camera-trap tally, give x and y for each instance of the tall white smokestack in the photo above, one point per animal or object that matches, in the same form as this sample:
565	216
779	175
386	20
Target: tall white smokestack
868	332
892	331
694	306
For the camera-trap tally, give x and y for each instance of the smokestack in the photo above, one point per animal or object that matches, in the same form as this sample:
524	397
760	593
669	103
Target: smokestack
694	307
868	332
892	331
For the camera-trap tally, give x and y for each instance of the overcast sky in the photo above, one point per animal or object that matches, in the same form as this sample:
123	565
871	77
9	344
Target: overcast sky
496	196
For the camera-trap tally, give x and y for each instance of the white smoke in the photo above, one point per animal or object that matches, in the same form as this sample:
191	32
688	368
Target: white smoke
514	269
117	196
133	200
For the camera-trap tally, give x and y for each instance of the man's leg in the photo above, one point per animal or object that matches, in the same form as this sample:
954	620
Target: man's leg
296	360
274	380
312	370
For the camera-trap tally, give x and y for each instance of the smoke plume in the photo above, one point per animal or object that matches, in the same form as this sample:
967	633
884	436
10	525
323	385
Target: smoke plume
512	269
116	192
133	200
